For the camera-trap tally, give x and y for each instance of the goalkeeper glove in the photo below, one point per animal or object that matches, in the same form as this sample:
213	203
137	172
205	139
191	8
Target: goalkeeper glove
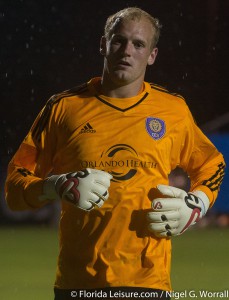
174	214
85	189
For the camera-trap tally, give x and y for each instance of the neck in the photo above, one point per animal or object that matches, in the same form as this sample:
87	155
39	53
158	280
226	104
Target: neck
113	90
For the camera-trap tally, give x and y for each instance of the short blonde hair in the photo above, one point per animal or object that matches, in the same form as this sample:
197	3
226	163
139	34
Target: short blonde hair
132	13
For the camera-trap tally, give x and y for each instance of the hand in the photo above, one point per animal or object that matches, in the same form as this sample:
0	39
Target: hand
175	213
85	189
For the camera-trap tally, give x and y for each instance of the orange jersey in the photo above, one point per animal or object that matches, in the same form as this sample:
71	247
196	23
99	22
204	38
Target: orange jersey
138	140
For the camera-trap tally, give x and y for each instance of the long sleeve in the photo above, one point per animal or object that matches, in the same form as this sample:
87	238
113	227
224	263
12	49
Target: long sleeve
30	165
202	161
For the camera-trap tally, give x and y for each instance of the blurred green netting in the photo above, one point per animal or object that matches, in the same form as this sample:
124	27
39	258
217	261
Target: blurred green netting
28	262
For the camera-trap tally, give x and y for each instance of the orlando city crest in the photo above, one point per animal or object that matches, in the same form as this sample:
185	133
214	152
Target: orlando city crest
155	128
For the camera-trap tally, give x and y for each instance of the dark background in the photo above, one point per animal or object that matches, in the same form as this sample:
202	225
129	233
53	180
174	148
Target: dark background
49	46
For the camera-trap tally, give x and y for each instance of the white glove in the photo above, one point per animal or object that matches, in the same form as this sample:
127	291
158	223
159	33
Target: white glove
85	189
175	213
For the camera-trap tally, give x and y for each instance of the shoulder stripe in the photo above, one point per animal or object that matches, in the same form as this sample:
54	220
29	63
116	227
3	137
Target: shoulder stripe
164	90
214	182
39	127
71	92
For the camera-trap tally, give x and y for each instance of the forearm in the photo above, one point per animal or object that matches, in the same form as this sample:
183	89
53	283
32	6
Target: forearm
23	190
84	189
209	180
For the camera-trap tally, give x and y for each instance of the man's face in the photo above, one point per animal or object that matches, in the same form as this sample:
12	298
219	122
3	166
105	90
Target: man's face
129	51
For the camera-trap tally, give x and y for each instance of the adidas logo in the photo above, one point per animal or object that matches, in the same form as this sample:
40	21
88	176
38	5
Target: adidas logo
87	129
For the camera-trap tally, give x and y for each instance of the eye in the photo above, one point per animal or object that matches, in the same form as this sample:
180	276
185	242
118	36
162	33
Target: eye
116	41
139	45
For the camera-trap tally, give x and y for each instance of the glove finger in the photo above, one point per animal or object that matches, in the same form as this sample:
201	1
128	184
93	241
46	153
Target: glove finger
162	204
163	226
102	181
95	197
163	216
161	234
174	231
102	177
89	205
171	191
172	215
100	191
154	216
101	199
172	225
85	205
157	227
89	200
98	203
106	195
167	233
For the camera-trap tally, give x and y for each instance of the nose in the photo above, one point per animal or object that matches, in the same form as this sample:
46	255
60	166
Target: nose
126	48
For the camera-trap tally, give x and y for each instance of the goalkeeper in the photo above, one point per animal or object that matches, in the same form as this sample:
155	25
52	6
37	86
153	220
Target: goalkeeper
104	150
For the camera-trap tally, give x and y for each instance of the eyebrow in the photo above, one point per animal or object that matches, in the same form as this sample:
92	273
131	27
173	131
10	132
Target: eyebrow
139	40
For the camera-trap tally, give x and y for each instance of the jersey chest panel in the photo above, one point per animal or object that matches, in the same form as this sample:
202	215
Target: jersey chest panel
125	144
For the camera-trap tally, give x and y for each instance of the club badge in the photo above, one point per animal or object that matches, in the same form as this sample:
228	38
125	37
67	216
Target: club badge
155	128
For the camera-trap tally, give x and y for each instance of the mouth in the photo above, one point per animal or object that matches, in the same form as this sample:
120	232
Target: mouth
124	63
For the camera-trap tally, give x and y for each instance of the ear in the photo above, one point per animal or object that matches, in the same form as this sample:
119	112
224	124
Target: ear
152	56
103	45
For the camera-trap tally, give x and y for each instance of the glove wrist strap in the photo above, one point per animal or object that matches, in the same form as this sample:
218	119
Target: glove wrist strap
49	188
204	201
